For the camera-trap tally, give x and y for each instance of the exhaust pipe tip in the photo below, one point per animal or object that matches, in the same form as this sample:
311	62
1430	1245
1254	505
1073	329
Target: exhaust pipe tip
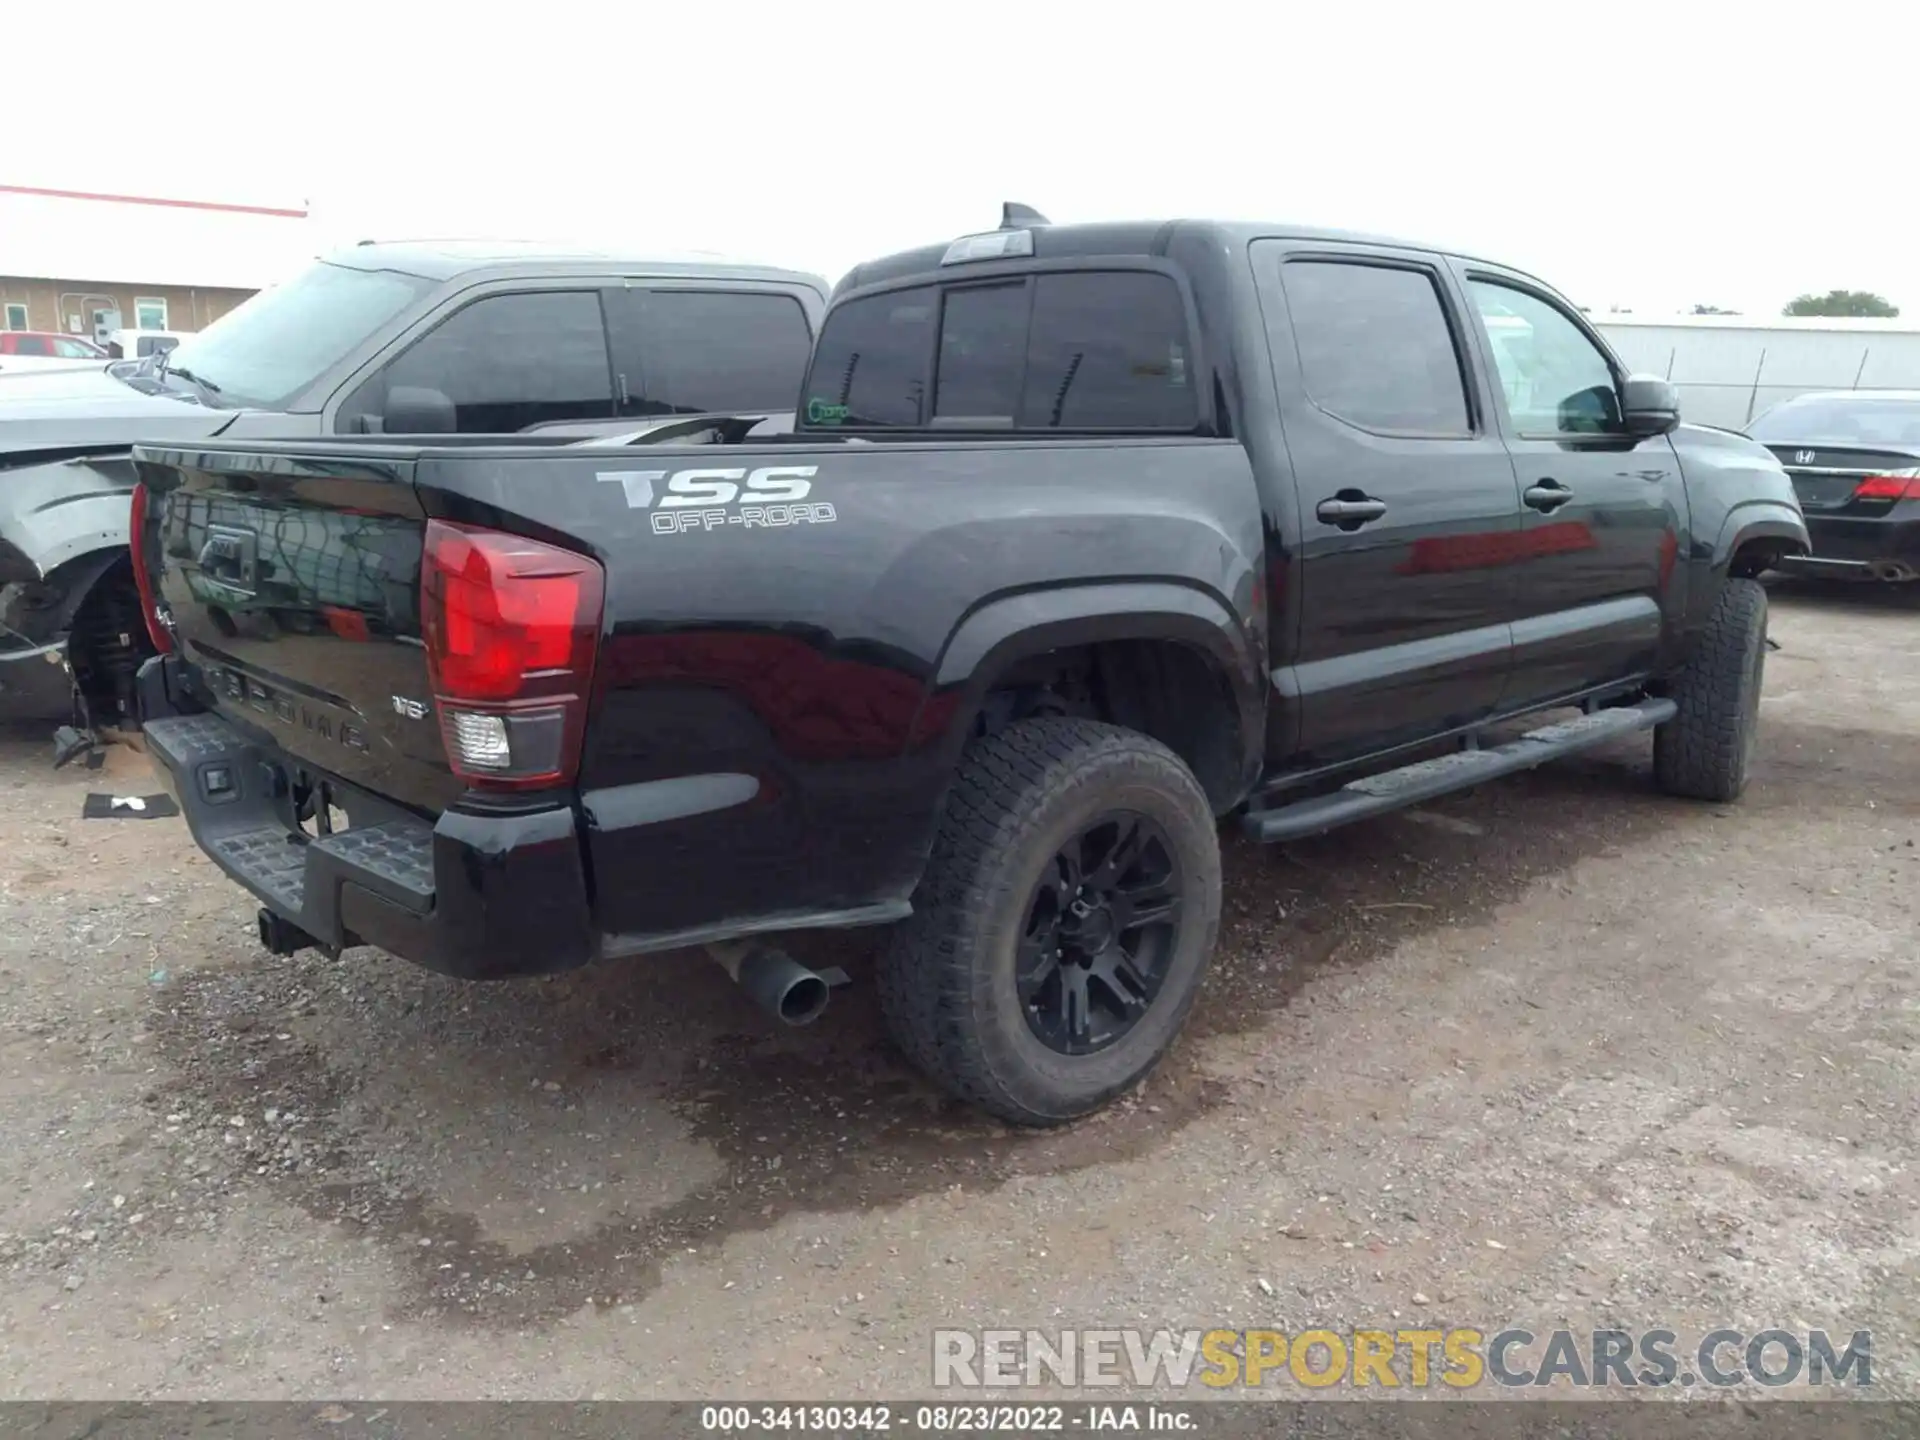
775	981
798	998
1892	571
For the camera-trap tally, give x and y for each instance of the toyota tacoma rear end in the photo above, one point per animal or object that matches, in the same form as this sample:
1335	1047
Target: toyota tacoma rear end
411	676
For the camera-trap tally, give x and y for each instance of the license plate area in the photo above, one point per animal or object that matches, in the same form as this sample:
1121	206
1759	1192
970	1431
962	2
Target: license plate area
1824	492
317	806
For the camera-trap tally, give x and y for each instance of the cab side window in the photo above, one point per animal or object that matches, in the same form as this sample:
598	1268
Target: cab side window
1556	380
502	364
690	352
1375	347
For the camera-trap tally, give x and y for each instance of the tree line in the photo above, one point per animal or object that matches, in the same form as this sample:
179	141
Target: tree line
1834	302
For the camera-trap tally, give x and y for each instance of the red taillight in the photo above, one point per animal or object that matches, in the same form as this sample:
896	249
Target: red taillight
1904	486
511	627
143	582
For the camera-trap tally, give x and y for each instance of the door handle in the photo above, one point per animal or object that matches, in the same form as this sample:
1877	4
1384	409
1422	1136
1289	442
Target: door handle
1350	509
1547	495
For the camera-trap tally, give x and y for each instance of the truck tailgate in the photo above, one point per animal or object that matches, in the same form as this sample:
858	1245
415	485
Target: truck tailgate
293	588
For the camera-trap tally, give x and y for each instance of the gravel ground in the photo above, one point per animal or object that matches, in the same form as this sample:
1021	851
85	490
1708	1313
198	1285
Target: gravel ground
1560	1051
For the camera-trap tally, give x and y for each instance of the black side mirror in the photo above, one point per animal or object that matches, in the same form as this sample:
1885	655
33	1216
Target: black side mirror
416	410
1649	405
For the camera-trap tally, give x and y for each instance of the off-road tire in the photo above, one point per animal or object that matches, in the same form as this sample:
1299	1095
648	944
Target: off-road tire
947	979
1706	750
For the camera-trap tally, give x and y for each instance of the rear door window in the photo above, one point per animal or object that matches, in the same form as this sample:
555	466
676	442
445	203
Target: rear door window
506	362
31	345
1067	350
1375	347
695	352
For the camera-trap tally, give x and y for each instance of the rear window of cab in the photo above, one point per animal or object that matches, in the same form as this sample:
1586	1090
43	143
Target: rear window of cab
1061	350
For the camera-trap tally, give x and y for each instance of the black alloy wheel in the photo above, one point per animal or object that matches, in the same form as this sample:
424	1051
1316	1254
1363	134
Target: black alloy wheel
1098	934
1063	923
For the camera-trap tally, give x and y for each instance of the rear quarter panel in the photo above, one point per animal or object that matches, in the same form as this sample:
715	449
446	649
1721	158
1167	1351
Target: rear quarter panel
819	663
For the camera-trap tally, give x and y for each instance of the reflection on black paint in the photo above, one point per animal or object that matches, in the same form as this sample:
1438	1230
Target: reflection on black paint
816	706
1487	549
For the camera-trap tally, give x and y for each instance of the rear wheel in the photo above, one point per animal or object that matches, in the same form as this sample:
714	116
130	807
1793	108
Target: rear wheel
1064	922
1706	750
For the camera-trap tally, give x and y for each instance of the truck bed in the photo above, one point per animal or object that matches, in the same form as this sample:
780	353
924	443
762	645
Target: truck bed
790	650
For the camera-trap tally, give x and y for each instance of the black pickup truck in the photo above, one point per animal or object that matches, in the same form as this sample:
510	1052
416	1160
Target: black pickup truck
1083	538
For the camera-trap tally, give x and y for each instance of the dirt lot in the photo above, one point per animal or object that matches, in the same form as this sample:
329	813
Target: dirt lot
1560	1051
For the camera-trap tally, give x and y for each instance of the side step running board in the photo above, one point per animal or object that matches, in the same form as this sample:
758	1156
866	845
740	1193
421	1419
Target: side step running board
1412	784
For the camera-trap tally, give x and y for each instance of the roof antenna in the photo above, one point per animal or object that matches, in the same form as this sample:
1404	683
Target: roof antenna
1015	216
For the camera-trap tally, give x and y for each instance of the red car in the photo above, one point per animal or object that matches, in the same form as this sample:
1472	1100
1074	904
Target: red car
44	349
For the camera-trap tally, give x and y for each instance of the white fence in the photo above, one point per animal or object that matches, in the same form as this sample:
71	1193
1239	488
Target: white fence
1728	369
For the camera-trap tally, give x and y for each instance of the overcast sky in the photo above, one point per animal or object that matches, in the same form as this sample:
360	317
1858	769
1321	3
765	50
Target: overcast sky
1648	156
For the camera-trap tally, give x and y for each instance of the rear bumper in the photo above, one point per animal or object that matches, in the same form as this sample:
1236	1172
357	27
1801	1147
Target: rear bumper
475	895
1859	545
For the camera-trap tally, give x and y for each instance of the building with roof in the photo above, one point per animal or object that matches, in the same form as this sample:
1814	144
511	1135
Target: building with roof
84	263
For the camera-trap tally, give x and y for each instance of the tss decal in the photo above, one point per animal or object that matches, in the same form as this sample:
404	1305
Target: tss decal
771	497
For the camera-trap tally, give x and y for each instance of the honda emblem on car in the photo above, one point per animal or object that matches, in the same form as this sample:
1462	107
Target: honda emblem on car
1803	457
